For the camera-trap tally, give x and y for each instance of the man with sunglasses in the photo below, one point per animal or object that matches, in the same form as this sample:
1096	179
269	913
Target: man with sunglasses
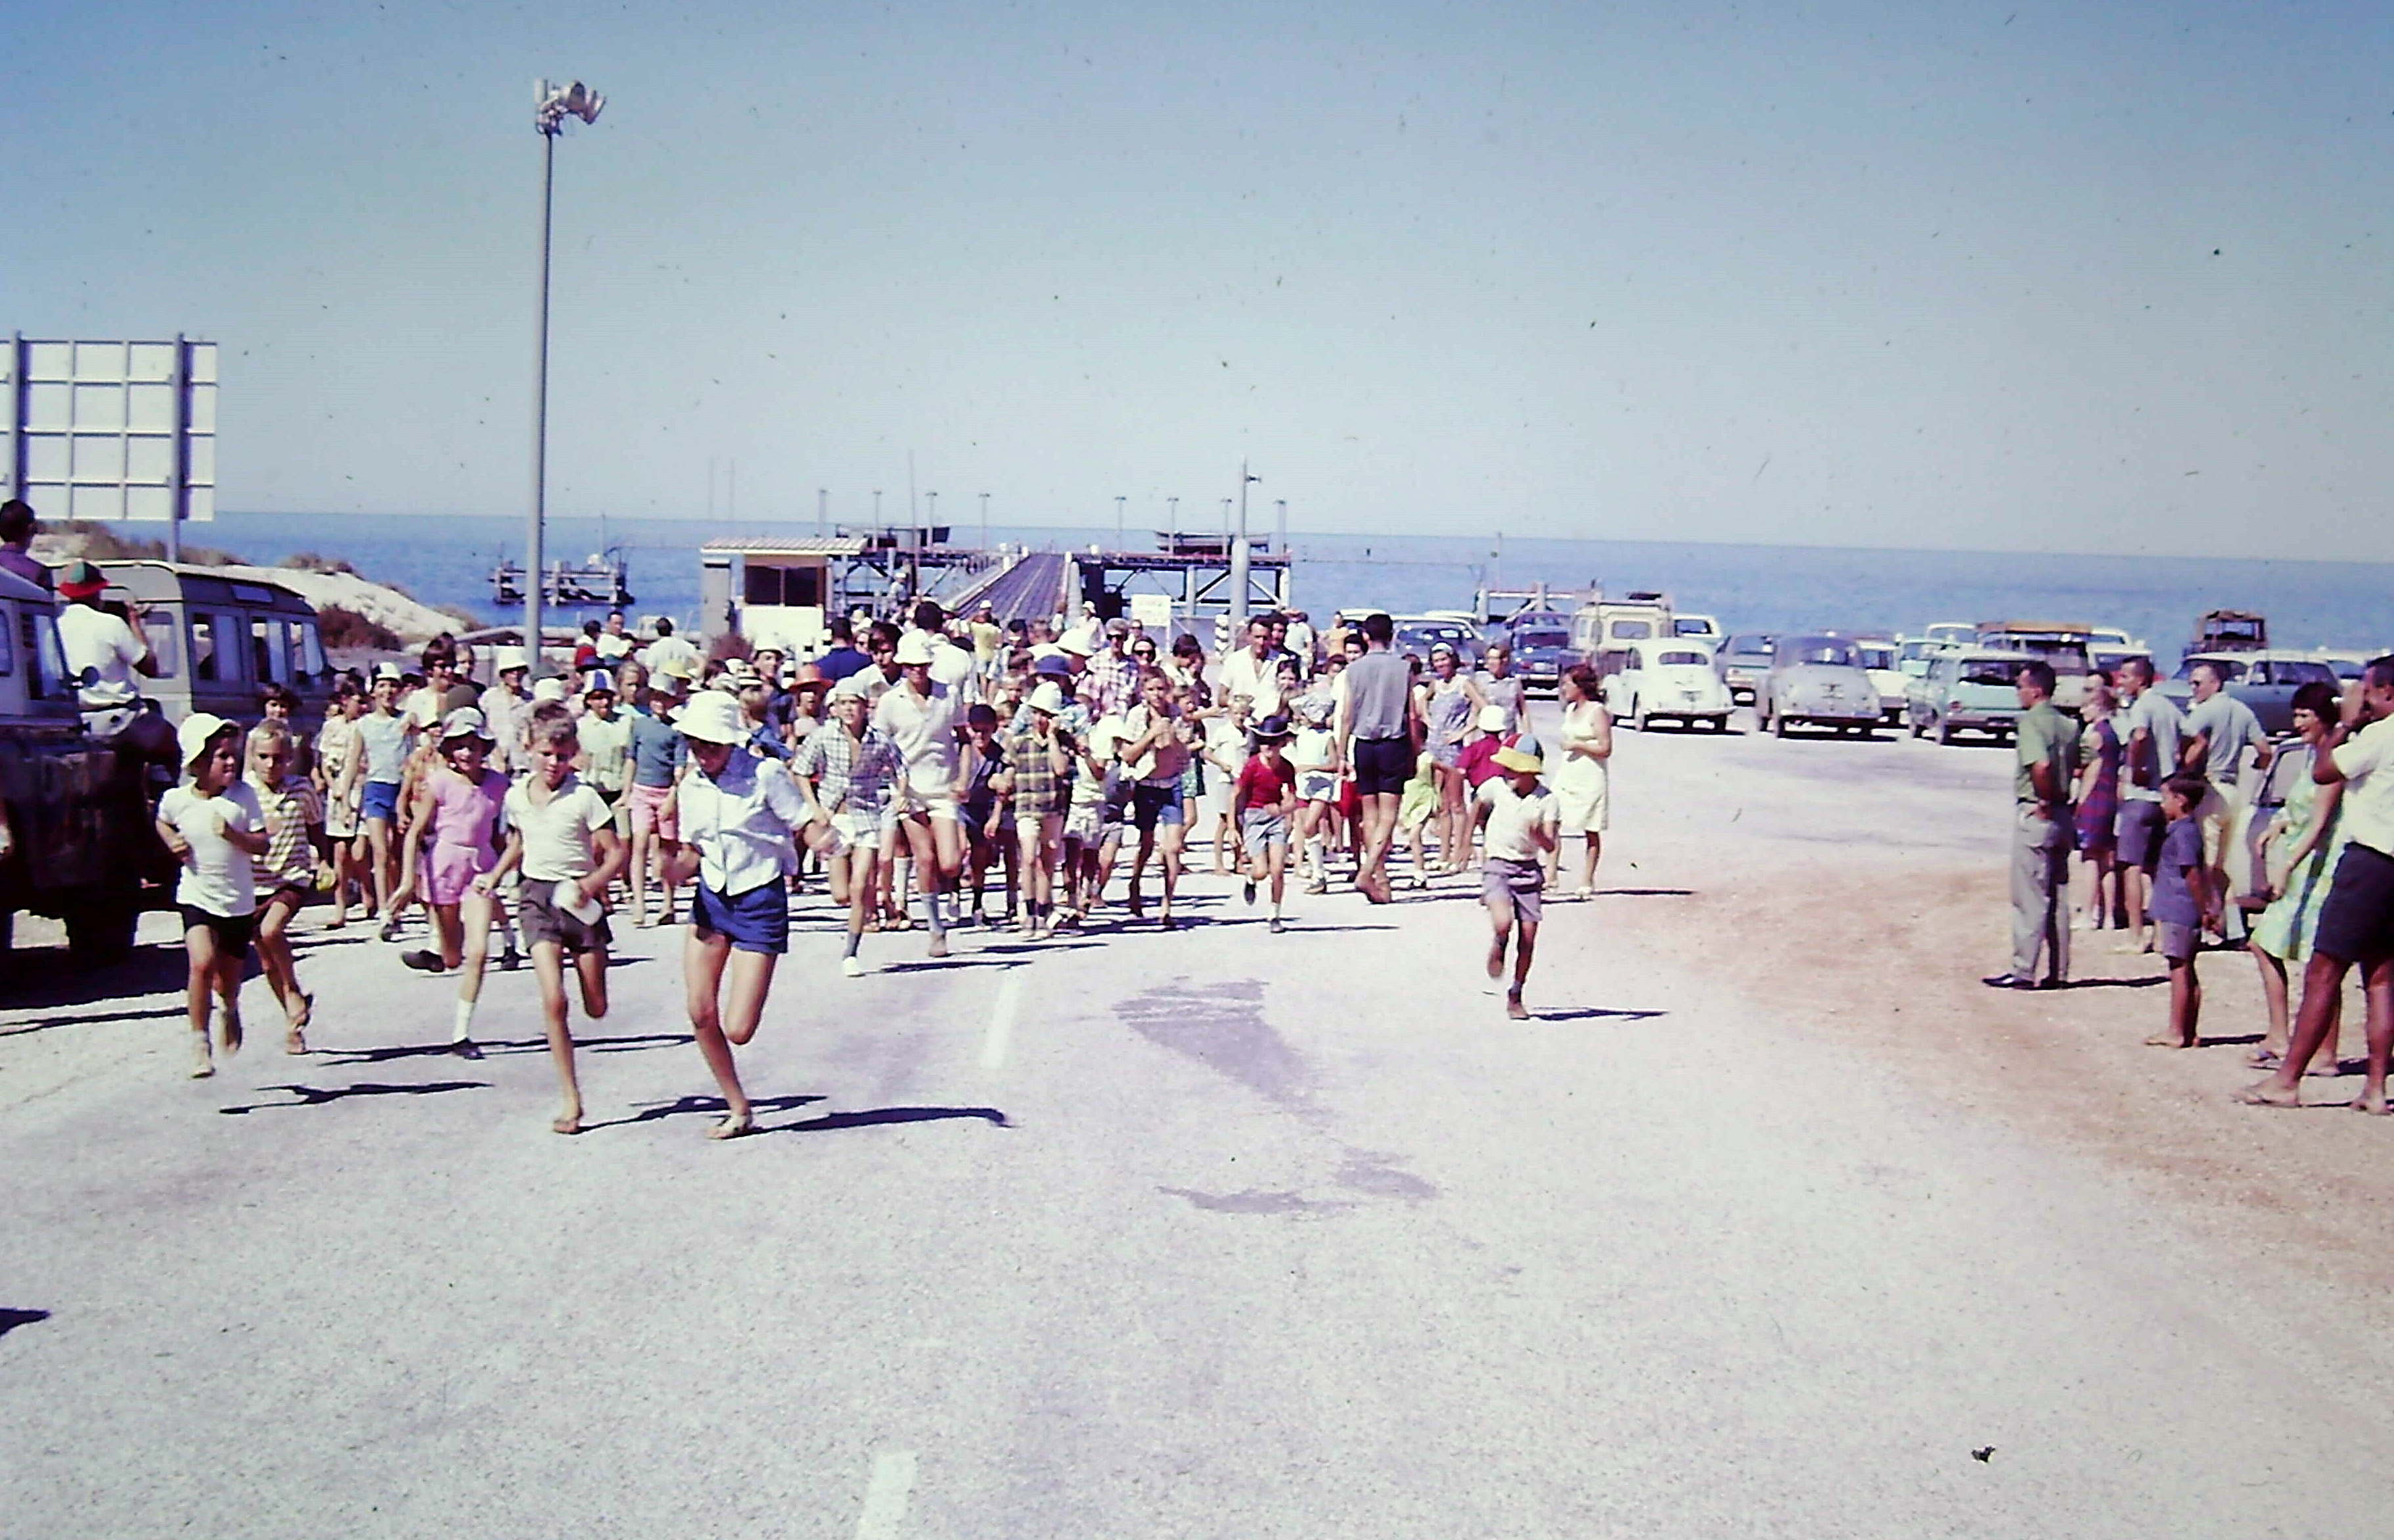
1110	683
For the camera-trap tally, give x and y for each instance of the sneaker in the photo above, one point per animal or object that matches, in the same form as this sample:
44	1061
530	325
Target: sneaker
1513	1007
1251	890
510	960
853	966
389	931
422	961
465	1047
1276	926
938	943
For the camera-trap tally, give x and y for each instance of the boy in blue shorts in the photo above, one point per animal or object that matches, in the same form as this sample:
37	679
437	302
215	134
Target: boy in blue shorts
2182	898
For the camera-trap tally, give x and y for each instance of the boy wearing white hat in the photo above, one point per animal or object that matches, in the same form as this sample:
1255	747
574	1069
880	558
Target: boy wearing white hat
1036	777
1520	818
213	824
739	814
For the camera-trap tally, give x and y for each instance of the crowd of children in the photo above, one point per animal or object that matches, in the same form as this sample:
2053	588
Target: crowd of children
913	775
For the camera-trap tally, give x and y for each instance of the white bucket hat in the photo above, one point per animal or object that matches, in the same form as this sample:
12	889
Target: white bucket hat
853	687
1049	697
466	722
1492	719
913	651
506	658
549	688
199	730
713	717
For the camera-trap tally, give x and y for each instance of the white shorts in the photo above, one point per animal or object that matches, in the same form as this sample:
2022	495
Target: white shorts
1317	785
940	805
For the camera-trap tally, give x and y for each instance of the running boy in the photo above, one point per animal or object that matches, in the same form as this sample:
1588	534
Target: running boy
1262	805
561	834
1520	820
2182	901
212	824
290	816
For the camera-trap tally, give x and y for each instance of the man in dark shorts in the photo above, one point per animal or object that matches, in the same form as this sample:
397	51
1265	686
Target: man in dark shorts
1374	742
2356	925
2153	728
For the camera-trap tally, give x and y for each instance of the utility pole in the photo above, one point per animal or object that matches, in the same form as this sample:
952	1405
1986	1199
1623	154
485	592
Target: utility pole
822	511
984	521
1119	501
1239	559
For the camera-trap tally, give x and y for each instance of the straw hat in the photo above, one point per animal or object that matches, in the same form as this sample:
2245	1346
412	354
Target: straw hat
713	717
1522	759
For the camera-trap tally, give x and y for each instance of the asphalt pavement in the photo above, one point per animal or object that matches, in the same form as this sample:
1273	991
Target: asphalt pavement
1212	1232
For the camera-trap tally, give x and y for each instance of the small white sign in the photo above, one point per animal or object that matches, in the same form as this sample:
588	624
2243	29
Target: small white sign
1151	609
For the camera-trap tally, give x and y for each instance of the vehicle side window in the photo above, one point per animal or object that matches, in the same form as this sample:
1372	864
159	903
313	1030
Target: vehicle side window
212	659
306	652
166	633
268	658
8	640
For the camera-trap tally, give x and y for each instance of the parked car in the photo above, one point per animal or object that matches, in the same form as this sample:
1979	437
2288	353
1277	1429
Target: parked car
1949	633
1967	689
1741	661
1817	681
1542	648
2229	631
1670	678
1418	634
1879	661
2266	681
2063	645
2346	663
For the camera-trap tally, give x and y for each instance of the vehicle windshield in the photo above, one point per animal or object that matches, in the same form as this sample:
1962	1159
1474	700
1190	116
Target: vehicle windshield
2296	671
1542	639
2346	668
1827	652
1680	658
1632	630
1877	657
1913	652
1692	628
2109	662
1994	671
2066	655
2230	670
1750	647
1425	635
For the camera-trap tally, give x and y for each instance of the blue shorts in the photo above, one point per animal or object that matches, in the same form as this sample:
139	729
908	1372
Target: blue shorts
2137	835
1151	804
381	801
757	920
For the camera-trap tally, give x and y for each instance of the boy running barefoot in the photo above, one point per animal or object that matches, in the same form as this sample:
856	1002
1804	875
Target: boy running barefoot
561	835
2182	901
1261	807
1520	818
286	876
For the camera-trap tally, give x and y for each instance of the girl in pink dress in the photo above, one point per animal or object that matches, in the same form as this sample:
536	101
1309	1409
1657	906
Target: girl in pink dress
459	814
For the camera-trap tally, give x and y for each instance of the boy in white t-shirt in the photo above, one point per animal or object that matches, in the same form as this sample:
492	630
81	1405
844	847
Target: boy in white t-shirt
213	824
1520	818
561	834
1314	753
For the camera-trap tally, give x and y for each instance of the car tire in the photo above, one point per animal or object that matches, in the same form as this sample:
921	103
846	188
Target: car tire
1637	718
1869	733
1944	733
1779	725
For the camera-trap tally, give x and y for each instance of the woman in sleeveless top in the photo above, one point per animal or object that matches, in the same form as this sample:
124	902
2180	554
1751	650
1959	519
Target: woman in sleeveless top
1450	703
2098	810
2298	853
1581	776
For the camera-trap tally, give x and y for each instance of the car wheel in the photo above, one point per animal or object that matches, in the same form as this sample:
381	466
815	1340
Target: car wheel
1637	718
1869	731
1944	732
1779	725
1917	725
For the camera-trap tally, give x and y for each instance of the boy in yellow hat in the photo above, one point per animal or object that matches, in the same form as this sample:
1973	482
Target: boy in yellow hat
1520	819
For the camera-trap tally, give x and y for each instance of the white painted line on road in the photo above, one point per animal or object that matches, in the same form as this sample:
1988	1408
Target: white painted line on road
884	1498
1001	1023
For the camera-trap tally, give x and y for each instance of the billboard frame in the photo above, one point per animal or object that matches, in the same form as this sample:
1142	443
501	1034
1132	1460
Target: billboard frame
109	428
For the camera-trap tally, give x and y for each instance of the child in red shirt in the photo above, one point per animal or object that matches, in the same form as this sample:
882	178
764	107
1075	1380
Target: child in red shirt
1480	765
1262	806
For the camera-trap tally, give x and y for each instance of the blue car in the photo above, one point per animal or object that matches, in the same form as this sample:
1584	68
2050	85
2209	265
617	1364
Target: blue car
1541	649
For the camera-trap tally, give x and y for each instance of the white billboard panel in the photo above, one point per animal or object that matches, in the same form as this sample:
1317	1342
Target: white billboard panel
120	430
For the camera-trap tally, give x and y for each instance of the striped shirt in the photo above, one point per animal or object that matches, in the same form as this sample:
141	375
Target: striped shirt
1108	685
1038	790
290	810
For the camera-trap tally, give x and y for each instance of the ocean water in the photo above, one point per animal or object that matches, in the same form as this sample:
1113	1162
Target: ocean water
447	560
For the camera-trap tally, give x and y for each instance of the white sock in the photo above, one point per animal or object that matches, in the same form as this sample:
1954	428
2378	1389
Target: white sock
465	1021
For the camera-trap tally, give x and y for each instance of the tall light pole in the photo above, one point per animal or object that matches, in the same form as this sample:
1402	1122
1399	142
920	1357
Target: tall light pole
931	517
1172	526
876	507
1239	559
822	511
984	521
552	106
1118	522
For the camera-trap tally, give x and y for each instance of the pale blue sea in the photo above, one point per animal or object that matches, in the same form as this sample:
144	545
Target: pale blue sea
447	560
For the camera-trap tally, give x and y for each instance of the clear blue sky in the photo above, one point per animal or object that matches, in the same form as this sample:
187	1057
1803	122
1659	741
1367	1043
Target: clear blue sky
1986	276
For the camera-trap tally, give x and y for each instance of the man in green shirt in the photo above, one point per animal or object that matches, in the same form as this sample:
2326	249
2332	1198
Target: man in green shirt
2041	835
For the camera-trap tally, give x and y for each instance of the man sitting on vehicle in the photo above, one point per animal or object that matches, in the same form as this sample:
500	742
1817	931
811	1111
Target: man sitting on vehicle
104	651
